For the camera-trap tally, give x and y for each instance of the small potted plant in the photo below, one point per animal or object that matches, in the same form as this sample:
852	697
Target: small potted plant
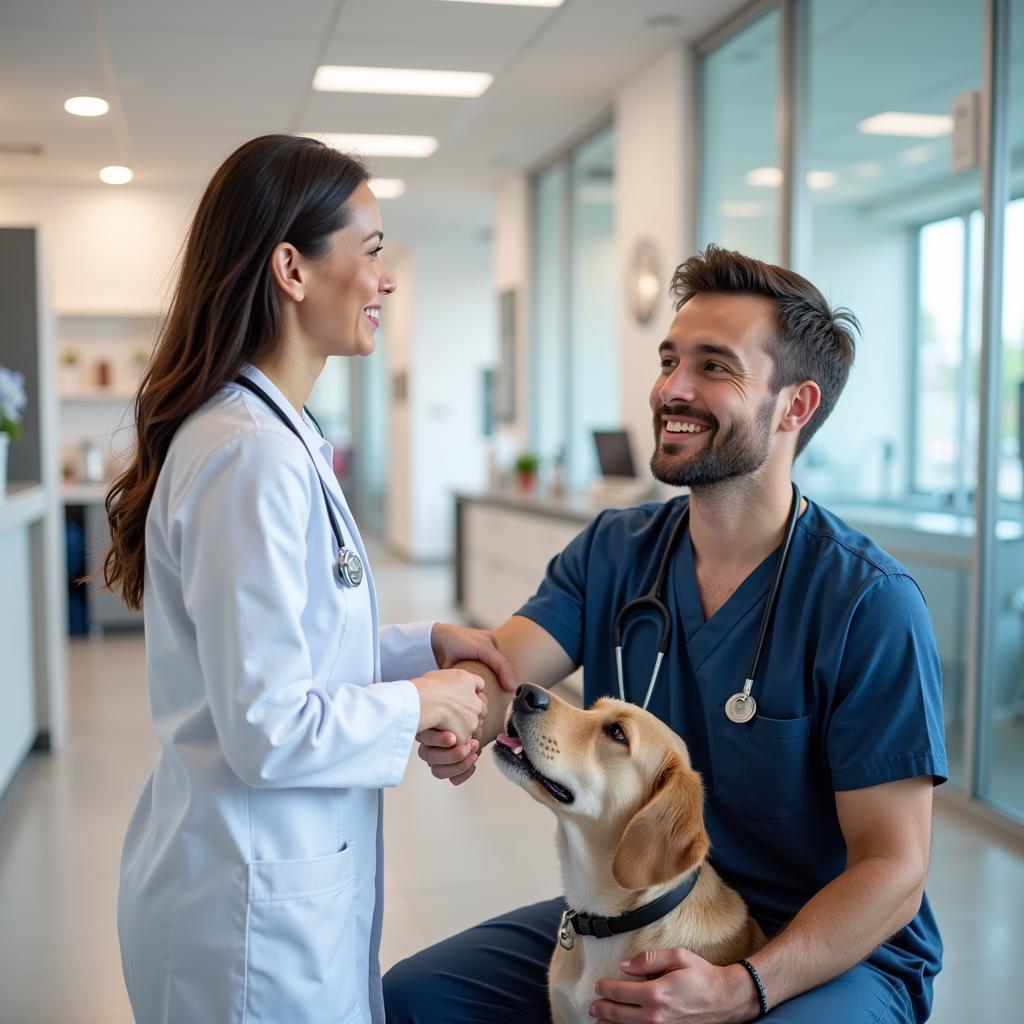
526	470
12	404
69	361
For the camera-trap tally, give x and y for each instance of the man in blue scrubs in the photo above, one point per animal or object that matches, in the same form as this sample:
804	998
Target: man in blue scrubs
819	808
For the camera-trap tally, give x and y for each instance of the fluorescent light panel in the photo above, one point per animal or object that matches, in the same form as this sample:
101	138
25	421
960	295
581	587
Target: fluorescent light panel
768	177
512	3
400	81
115	174
916	126
387	188
772	177
379	145
86	106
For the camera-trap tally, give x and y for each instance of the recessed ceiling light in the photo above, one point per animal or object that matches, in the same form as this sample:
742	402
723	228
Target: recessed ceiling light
86	106
400	81
819	180
512	3
378	145
918	126
764	176
387	188
115	174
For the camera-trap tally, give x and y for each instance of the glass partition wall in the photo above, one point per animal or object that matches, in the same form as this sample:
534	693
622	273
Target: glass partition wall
880	110
574	383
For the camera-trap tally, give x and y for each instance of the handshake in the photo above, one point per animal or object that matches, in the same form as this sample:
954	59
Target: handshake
453	702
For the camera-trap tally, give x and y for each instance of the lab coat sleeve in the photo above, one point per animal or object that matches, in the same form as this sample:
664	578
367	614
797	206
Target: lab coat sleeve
405	651
244	582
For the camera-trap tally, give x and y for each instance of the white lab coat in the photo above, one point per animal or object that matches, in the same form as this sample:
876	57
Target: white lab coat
251	874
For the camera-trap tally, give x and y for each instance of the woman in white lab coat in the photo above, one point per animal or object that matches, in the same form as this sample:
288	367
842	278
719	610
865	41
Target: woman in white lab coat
251	874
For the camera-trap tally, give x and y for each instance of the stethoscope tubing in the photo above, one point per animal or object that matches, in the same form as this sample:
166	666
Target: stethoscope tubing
344	556
652	601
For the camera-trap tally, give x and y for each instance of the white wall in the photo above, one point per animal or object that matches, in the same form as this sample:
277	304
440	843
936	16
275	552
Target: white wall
111	250
442	333
512	256
653	124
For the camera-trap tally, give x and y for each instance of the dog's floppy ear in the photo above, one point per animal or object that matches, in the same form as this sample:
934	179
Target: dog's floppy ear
666	837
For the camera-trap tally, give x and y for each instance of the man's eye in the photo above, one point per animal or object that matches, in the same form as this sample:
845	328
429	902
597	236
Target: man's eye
615	731
666	364
716	367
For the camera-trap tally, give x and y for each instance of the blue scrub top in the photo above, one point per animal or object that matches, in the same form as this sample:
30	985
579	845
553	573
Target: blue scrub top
849	694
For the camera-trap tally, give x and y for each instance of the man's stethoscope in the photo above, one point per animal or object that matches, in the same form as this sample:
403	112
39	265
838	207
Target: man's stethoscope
349	565
740	707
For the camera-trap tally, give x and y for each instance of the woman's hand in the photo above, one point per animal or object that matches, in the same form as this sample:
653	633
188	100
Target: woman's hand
452	644
451	700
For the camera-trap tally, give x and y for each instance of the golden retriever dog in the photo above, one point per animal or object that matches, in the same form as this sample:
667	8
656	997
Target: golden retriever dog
630	831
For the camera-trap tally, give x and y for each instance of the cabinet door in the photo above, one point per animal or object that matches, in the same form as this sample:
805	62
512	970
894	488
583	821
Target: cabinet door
18	676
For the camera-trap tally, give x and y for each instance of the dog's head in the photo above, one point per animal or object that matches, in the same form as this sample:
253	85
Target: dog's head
619	773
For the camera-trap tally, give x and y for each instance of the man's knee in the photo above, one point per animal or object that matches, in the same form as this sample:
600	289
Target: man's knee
403	989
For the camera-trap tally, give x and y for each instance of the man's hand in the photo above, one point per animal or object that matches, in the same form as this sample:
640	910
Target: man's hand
531	652
453	644
678	986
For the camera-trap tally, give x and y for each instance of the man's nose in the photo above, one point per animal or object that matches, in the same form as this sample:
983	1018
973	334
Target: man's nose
530	700
678	387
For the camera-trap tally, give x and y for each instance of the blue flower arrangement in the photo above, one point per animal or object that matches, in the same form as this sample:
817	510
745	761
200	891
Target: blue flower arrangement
12	402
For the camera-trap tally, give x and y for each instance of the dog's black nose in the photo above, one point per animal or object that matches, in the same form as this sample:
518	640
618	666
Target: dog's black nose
530	700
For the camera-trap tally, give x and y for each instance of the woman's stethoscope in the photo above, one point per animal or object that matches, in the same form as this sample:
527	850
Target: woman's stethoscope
348	564
740	707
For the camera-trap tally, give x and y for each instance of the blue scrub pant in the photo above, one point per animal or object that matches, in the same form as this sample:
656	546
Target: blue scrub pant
496	973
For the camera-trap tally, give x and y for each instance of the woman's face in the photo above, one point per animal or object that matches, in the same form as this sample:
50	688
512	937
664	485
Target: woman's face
340	311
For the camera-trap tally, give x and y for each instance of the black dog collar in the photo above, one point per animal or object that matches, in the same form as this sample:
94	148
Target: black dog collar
606	927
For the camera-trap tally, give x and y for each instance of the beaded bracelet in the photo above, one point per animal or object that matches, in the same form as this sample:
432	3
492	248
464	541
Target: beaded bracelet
761	997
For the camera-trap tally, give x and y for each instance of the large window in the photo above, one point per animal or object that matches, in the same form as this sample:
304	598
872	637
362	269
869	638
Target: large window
740	169
574	378
1000	754
925	449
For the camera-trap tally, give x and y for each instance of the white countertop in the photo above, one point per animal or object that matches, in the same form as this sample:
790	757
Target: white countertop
83	493
24	503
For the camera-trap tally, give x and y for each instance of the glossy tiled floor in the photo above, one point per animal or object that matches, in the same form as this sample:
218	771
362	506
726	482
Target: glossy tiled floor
454	856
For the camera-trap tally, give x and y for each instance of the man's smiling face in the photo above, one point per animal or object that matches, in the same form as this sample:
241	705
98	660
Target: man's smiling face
713	404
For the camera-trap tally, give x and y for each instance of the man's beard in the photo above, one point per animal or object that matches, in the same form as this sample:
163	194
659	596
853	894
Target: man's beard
742	449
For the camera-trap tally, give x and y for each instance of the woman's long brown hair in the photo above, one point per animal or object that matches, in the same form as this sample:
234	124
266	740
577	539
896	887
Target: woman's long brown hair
225	312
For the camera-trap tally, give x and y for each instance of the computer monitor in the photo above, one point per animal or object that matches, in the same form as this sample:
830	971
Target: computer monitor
614	456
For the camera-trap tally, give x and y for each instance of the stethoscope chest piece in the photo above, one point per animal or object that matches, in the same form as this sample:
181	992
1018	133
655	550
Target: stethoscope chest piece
350	567
740	708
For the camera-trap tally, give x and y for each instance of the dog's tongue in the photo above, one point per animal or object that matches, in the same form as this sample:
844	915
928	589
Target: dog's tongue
506	741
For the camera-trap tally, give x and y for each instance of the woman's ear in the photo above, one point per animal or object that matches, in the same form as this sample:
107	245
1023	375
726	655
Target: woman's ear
666	838
288	272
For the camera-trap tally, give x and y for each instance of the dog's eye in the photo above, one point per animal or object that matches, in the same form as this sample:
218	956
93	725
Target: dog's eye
615	731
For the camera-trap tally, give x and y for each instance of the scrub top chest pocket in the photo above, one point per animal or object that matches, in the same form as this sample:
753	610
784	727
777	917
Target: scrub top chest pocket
762	768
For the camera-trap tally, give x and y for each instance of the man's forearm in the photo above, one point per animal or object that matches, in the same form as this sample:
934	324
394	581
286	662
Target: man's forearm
497	702
853	915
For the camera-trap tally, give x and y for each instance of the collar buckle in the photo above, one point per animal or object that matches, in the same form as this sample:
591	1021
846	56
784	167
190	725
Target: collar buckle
566	938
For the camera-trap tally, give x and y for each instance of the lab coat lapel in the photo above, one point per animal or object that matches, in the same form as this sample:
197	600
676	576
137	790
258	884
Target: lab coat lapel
323	455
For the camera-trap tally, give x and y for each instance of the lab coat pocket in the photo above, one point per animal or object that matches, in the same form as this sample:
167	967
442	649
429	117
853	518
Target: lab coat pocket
300	954
762	769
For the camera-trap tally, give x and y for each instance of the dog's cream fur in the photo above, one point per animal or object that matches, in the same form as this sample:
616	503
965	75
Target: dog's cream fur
633	831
